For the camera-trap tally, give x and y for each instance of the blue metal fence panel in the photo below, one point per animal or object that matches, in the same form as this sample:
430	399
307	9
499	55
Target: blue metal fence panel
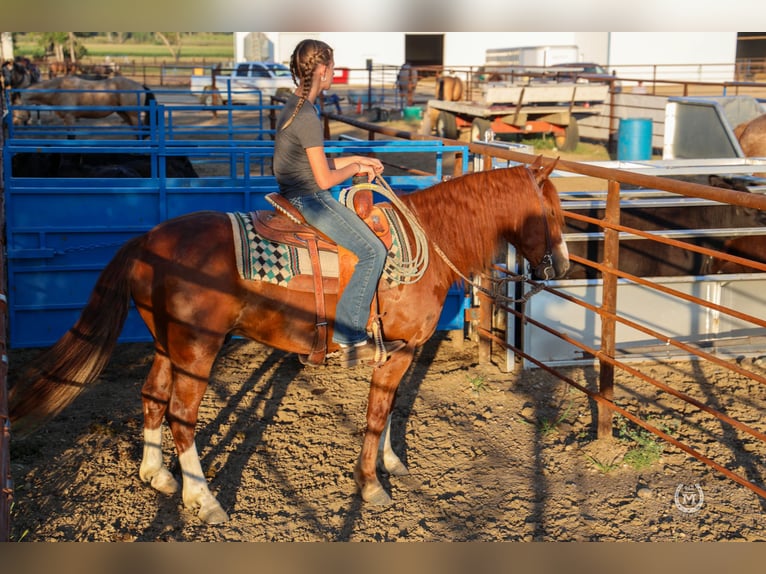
61	232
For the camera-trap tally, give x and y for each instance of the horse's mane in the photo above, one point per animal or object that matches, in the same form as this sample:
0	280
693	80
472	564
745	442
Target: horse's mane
465	216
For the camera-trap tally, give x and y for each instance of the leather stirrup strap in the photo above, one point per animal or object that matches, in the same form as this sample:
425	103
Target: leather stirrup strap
319	348
376	327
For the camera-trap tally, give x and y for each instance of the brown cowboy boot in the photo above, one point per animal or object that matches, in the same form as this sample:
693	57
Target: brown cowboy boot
366	352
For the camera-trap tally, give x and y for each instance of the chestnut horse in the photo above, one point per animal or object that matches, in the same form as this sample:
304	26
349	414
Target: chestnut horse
96	98
182	276
752	136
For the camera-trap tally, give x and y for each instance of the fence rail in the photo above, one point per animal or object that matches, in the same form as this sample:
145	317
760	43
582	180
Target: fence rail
605	357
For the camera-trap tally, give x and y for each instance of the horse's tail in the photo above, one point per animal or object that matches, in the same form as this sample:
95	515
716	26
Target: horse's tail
148	99
55	378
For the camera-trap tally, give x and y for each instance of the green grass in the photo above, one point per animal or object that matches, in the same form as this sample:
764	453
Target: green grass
603	466
202	46
477	384
550	426
646	448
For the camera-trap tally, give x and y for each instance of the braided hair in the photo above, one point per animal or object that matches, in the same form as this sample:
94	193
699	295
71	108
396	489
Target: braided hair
308	54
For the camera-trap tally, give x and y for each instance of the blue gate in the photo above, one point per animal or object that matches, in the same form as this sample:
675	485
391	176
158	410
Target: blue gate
61	231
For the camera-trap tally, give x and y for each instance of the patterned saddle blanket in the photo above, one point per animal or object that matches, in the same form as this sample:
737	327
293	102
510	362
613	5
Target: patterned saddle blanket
281	263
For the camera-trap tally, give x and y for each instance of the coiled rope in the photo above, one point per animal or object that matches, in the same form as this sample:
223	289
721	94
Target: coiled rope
412	270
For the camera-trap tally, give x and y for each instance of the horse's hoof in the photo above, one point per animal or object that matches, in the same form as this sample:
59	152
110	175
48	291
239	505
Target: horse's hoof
213	514
396	468
163	482
376	495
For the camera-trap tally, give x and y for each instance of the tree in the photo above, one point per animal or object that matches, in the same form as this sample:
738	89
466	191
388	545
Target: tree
172	41
62	45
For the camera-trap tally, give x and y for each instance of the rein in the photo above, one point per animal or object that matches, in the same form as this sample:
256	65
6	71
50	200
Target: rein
421	254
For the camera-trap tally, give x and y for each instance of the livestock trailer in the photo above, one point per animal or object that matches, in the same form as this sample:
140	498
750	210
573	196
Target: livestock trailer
63	227
506	108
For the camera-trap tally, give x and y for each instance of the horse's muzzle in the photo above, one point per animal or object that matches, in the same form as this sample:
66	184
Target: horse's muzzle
545	269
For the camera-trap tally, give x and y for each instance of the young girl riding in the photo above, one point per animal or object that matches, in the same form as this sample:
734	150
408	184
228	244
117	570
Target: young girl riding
305	174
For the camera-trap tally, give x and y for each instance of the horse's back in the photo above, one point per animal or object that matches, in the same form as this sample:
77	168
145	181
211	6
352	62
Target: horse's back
752	137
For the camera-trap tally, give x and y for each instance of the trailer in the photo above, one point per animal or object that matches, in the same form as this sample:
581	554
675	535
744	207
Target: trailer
508	108
526	56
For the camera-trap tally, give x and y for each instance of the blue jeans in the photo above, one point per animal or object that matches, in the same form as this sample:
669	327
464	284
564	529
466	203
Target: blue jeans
346	228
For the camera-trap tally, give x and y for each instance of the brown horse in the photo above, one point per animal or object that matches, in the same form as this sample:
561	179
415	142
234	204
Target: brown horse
449	88
183	278
97	98
752	136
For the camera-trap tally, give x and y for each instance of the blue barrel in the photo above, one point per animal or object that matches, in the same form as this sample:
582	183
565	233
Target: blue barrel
635	139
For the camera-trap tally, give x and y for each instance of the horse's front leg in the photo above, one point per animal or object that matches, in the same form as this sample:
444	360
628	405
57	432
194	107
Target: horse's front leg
385	381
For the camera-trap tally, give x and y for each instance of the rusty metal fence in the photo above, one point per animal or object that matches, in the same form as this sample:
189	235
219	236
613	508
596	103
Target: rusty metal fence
6	487
606	359
607	362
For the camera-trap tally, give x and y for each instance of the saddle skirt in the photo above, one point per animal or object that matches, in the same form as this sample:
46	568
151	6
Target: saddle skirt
271	247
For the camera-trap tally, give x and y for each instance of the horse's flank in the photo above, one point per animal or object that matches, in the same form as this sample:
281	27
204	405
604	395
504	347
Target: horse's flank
752	136
97	98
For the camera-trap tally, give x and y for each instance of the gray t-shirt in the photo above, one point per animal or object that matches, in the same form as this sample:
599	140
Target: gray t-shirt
291	164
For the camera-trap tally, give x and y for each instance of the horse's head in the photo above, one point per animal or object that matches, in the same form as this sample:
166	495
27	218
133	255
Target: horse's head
20	117
541	240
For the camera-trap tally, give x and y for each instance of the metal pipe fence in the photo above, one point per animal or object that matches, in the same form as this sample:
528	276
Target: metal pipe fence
606	360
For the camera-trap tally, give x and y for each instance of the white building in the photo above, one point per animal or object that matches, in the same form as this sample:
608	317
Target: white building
463	49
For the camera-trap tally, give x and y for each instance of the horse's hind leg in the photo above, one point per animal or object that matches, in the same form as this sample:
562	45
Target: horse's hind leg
387	458
155	398
189	384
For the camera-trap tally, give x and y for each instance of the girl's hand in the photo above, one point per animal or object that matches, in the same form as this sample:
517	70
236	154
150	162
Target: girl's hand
372	167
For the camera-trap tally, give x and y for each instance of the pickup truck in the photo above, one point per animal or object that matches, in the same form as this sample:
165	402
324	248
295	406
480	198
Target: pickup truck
247	83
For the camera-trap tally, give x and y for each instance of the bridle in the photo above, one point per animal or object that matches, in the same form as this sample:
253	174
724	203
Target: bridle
544	269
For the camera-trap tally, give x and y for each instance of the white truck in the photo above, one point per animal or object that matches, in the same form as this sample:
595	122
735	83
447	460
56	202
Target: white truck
246	83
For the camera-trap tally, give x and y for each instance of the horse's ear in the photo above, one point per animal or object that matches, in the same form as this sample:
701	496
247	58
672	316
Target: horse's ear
537	164
544	172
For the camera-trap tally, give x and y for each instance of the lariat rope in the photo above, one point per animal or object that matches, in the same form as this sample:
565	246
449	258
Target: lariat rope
412	271
409	271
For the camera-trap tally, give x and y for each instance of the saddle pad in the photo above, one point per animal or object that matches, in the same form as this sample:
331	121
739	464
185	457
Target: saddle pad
260	259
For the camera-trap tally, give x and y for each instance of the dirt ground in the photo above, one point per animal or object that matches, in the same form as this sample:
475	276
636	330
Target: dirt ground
493	456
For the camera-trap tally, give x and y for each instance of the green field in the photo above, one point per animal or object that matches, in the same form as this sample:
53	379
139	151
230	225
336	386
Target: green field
195	47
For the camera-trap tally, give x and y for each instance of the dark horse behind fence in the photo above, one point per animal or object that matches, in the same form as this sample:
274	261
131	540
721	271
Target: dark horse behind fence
184	279
79	98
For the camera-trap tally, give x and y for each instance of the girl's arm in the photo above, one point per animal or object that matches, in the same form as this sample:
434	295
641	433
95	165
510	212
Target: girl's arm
331	172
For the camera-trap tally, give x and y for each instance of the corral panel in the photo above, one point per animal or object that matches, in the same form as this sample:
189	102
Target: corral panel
61	231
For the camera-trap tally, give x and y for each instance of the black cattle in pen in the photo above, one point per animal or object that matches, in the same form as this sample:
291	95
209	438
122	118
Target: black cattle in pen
648	258
90	165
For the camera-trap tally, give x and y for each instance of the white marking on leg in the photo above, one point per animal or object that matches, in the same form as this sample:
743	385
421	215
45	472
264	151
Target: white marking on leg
391	463
196	493
152	470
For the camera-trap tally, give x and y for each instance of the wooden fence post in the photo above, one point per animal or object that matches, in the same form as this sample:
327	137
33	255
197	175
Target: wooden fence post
609	307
